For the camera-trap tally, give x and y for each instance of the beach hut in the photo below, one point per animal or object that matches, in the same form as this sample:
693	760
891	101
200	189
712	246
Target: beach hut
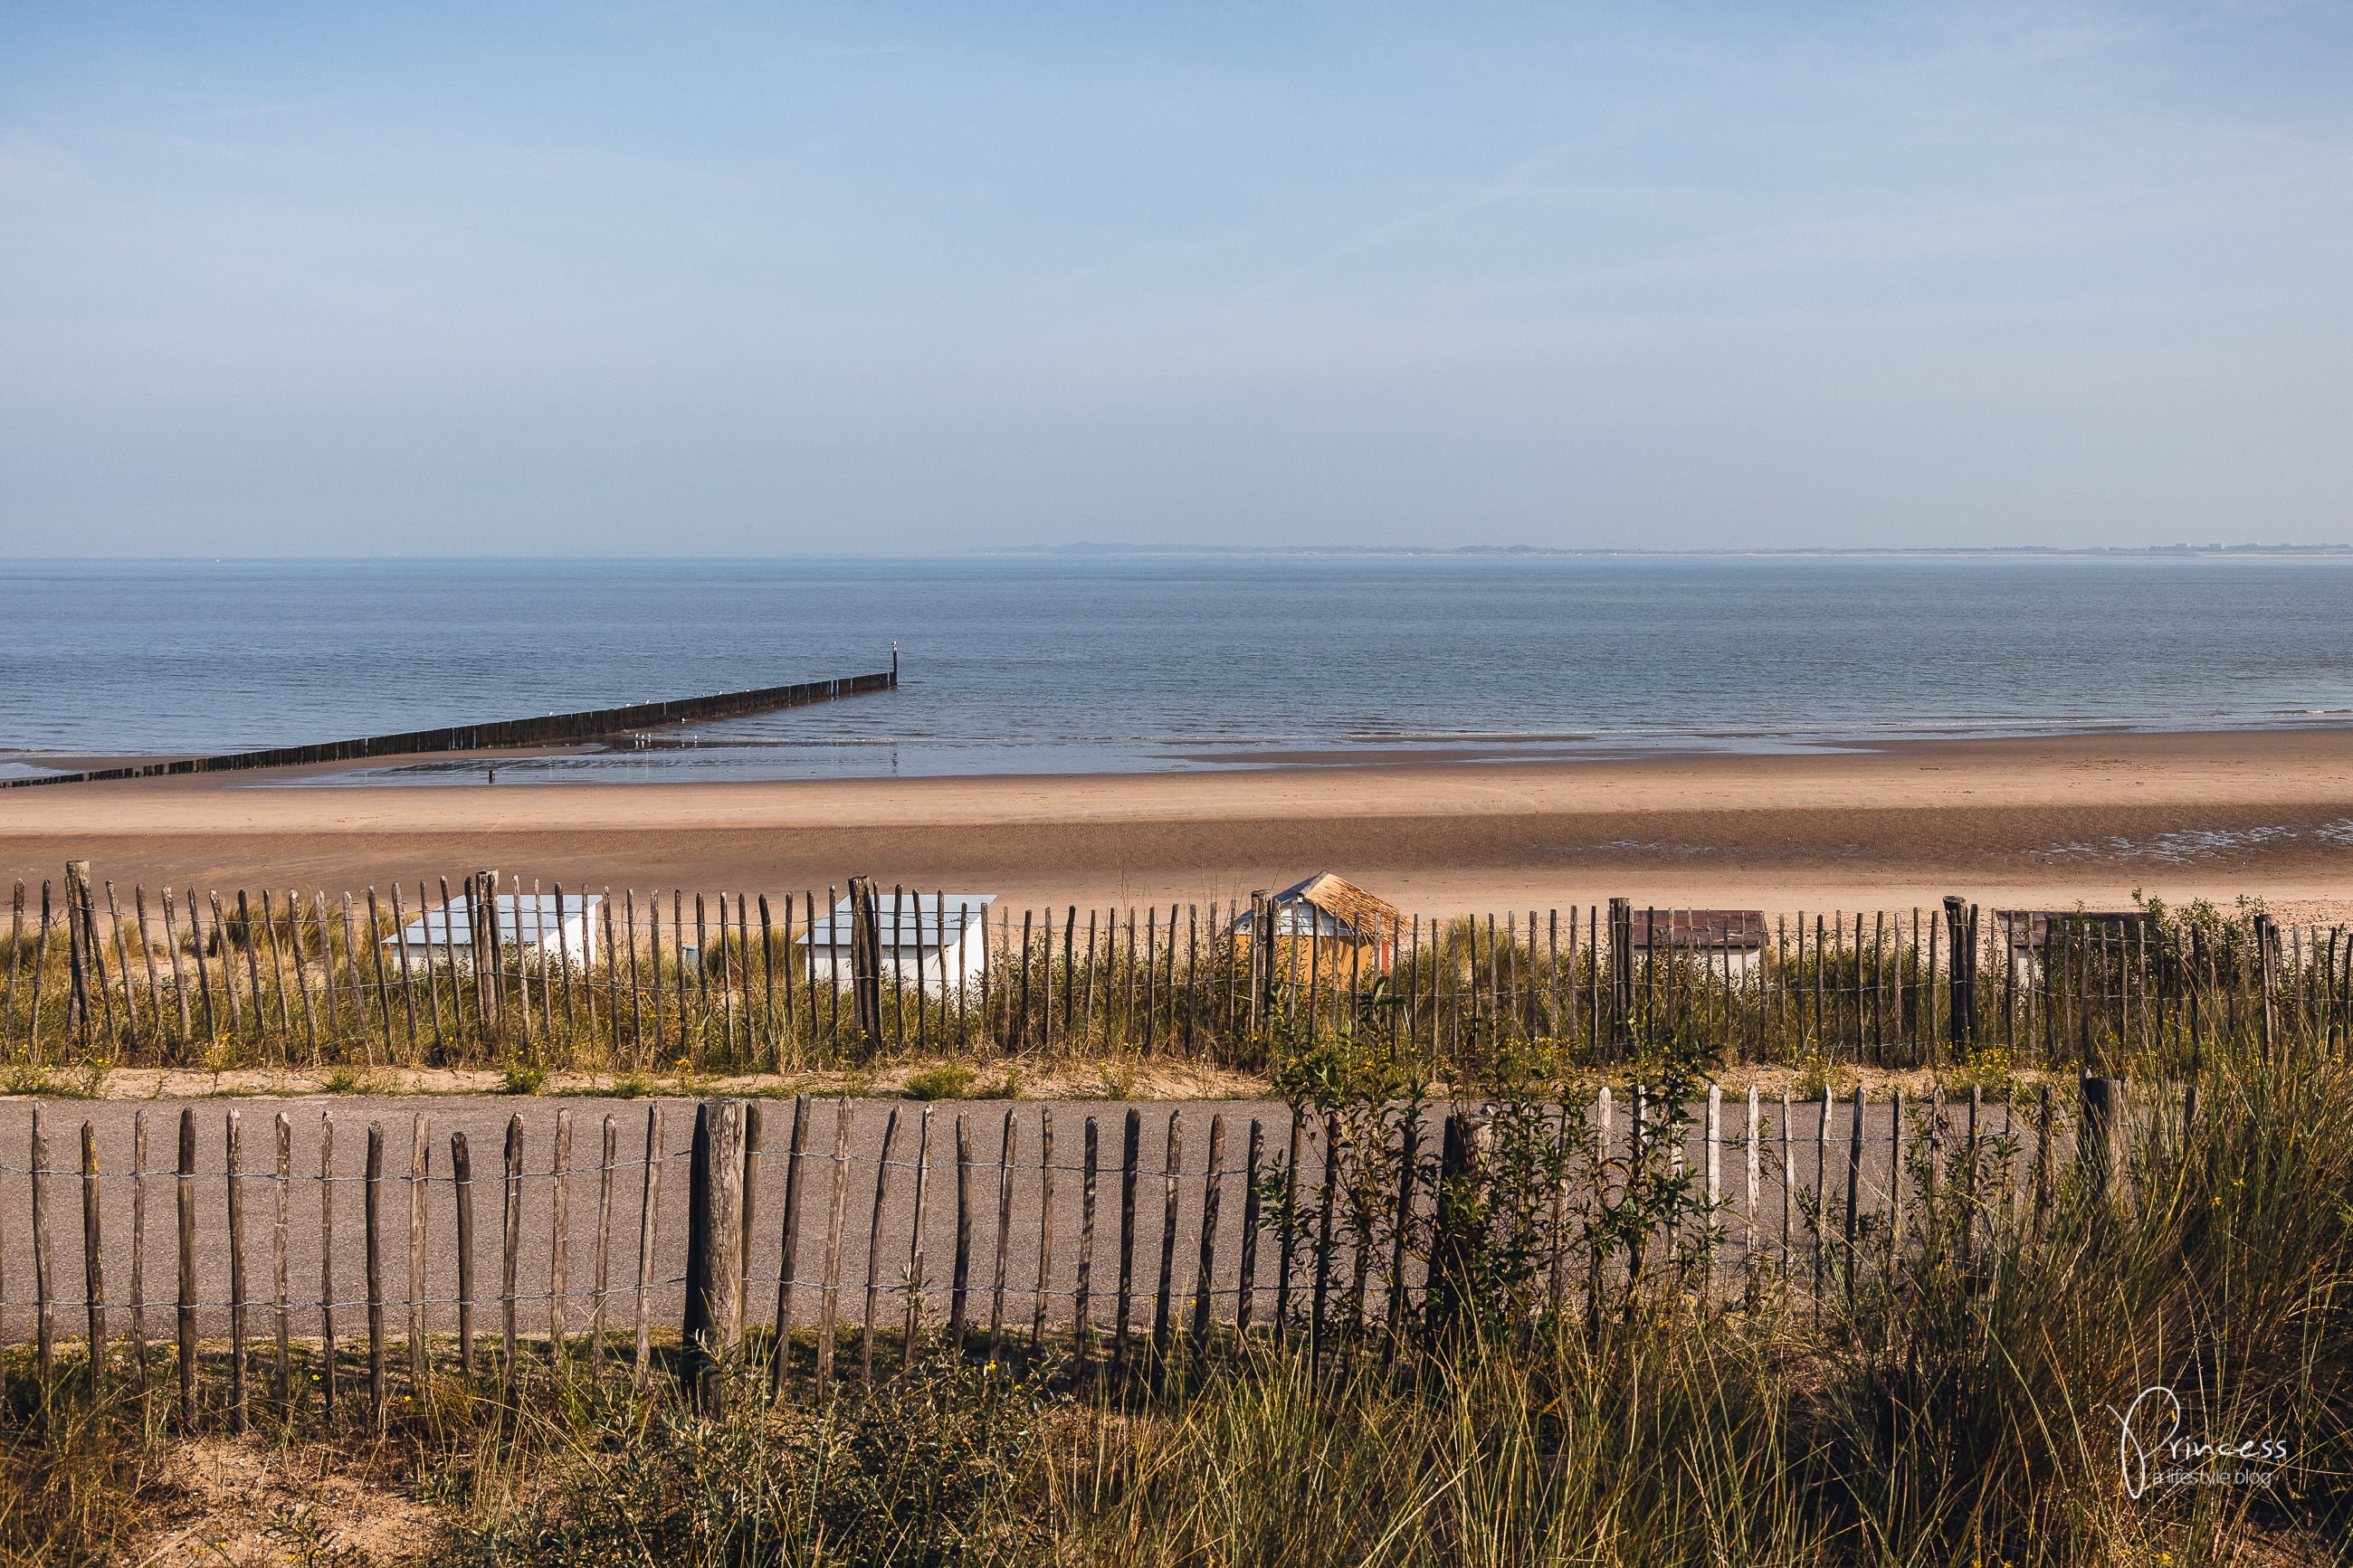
931	943
2028	934
531	926
1731	940
1350	929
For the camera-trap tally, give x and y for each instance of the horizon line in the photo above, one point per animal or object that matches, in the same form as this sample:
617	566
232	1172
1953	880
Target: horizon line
1085	549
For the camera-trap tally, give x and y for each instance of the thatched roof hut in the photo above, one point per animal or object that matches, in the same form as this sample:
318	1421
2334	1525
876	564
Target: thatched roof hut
1332	912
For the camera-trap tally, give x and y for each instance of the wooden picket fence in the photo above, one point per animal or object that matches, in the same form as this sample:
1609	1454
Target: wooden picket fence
722	982
1103	1241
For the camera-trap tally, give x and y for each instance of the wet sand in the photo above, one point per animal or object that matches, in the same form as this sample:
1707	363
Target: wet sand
2056	820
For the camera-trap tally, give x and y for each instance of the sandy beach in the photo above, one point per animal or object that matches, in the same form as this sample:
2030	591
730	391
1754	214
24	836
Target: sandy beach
2090	818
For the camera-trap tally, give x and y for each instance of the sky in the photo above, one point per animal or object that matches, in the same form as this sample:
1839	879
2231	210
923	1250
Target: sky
512	278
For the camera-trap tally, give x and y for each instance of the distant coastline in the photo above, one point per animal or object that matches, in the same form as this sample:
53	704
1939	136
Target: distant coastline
1111	550
1085	549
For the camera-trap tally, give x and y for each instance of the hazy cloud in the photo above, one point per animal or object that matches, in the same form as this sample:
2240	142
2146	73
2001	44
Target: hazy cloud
283	278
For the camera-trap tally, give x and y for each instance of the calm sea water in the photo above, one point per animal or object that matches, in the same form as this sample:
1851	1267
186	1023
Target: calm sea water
1020	665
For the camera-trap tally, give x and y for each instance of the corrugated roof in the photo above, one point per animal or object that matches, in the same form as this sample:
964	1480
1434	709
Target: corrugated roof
522	919
2032	927
906	919
1713	929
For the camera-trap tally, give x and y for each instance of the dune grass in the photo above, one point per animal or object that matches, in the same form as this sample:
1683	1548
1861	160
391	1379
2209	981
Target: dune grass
258	980
1956	1406
1959	1402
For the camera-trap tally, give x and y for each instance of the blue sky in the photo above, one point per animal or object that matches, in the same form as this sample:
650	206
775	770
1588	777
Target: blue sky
429	279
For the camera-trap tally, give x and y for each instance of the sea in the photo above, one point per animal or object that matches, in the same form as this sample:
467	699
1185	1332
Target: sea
1079	662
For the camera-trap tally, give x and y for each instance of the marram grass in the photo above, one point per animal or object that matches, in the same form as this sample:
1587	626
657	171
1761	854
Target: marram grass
1960	1405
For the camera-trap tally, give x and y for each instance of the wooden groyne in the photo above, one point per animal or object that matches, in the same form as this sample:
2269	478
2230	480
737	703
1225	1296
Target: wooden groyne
587	725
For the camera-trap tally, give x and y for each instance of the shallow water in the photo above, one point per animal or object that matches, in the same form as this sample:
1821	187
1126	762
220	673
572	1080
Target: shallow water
1056	665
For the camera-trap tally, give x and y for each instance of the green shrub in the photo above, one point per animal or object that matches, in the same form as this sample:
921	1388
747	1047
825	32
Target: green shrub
523	1078
950	1080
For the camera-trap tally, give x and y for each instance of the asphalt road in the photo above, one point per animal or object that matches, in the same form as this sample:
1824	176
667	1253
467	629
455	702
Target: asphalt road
139	1253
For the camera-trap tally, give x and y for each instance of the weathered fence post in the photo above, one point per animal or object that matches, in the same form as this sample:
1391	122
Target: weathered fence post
1045	1221
511	1245
420	1171
714	1238
2267	945
1007	1151
139	1250
185	1183
40	954
374	1216
45	1308
79	948
482	931
327	1261
282	1375
752	1134
1172	1160
916	1244
1131	1141
2102	1153
865	965
93	1263
1754	1148
1204	1274
1853	1186
1320	1291
15	948
1262	951
874	1248
1247	1294
461	1175
236	1180
829	1289
1082	1293
1961	942
605	1175
1712	1154
1461	1213
559	1239
1621	972
780	1361
648	1215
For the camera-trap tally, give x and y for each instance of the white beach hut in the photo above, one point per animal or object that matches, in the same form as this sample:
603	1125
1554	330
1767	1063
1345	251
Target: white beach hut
1730	941
929	942
2031	935
532	926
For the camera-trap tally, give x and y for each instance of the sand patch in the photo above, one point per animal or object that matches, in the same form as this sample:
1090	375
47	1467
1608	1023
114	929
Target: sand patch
244	1502
1010	1078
